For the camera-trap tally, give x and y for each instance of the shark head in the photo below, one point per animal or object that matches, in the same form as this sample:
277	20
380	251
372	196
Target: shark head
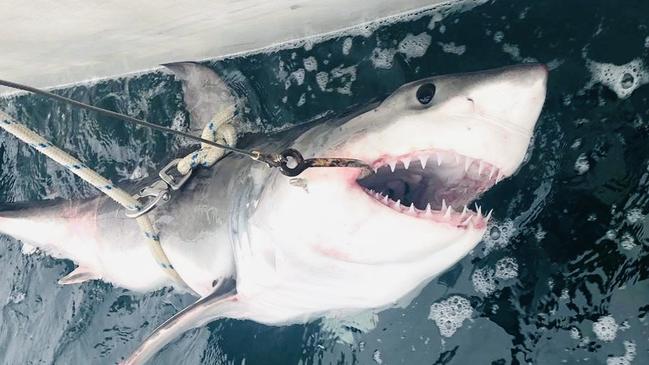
435	145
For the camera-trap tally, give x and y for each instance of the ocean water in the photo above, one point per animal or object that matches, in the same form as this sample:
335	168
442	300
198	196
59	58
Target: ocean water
561	276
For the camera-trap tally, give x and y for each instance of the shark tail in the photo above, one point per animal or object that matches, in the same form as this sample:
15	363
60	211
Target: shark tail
223	302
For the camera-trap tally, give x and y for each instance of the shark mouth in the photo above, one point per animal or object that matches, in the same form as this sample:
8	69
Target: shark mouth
436	185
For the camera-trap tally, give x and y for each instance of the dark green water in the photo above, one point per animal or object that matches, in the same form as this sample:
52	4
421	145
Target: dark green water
574	220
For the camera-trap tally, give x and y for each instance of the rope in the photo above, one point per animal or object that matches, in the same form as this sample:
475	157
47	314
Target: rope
126	118
104	185
220	130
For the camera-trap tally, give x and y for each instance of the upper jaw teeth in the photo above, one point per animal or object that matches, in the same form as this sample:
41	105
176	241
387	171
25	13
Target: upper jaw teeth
475	167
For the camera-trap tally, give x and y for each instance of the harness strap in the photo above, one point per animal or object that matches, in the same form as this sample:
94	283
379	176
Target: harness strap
104	185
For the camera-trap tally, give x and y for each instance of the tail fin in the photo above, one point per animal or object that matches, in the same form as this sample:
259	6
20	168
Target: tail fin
220	304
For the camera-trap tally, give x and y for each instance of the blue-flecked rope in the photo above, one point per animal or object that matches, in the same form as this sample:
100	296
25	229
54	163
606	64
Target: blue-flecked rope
104	185
220	130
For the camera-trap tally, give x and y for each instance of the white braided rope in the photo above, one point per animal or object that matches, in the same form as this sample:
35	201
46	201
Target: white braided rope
104	185
219	130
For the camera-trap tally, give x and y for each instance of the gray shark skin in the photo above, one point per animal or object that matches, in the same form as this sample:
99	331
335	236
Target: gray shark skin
261	246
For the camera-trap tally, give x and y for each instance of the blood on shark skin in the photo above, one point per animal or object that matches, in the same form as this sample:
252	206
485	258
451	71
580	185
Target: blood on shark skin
256	245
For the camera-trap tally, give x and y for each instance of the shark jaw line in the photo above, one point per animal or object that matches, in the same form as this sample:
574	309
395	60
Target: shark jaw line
434	184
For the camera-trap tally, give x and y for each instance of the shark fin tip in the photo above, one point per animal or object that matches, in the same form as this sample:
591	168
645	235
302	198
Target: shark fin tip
78	276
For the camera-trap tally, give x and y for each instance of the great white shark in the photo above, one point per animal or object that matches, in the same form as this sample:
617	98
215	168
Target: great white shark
255	244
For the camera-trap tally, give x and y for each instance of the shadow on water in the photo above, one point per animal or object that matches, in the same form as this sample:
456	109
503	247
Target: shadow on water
572	225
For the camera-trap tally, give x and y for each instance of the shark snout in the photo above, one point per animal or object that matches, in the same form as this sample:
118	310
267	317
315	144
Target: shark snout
513	95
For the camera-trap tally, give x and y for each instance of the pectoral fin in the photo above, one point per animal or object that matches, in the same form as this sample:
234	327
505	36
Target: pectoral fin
221	303
78	276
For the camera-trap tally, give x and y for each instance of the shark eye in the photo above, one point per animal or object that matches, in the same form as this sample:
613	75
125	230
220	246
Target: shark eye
425	93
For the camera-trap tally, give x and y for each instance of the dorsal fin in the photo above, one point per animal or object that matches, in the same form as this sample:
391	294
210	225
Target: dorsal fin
78	276
206	95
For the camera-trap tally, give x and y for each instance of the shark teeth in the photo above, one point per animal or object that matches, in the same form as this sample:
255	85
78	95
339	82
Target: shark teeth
492	172
464	212
406	162
474	168
488	216
448	213
428	212
467	162
465	219
479	173
422	161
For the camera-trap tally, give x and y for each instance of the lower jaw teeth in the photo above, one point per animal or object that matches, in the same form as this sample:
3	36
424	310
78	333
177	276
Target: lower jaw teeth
447	213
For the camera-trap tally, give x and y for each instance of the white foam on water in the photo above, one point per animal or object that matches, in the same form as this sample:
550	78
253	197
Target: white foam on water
383	57
376	356
540	233
179	122
484	281
574	333
138	173
498	235
506	268
322	79
308	44
565	295
343	328
499	36
627	241
554	64
436	18
622	79
449	314
302	100
581	164
282	73
16	297
298	76
413	46
605	328
452	48
634	215
611	234
627	358
347	75
310	63
347	45
576	144
624	325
